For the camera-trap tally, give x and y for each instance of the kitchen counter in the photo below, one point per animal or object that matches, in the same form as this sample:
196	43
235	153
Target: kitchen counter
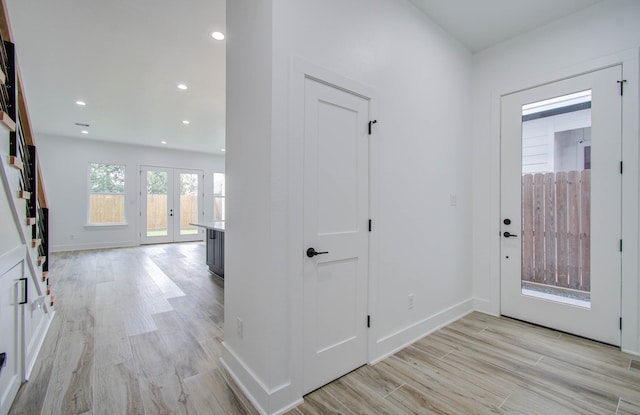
216	225
215	246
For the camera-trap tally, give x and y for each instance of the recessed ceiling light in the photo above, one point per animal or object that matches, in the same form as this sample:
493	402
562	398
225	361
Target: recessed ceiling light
182	86
223	149
163	142
185	122
217	35
84	132
81	103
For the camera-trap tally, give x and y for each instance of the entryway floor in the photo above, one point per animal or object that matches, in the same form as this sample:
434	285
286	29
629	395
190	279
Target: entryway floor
139	330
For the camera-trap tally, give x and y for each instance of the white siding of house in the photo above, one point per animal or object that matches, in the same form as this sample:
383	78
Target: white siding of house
539	139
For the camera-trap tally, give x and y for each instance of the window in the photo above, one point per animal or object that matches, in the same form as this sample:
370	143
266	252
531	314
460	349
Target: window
106	194
218	196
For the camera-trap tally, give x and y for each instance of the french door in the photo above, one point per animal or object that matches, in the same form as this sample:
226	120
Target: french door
561	205
171	199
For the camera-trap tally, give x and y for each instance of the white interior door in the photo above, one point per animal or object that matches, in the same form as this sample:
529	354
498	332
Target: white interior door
11	346
336	227
561	205
171	199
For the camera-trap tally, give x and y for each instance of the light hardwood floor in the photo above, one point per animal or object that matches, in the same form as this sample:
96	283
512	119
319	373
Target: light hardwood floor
138	331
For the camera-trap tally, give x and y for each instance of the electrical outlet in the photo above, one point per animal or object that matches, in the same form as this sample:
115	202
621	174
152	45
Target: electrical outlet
453	199
410	302
240	328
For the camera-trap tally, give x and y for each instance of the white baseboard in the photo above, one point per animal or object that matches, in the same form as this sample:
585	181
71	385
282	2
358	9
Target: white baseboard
267	401
486	307
94	245
393	343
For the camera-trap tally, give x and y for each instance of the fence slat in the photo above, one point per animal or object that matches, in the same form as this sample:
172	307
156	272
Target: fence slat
556	214
188	211
550	228
573	229
106	208
156	212
585	227
538	226
561	229
527	227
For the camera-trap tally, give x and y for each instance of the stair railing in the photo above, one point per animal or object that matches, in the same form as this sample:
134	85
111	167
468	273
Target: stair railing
22	146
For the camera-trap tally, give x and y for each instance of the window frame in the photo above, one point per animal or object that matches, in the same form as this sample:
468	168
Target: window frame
88	223
221	196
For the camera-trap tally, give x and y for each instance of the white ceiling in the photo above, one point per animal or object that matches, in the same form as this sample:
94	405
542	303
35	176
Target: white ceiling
125	59
480	24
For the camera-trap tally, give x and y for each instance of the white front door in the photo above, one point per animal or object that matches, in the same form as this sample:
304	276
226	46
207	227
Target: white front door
336	202
561	205
171	199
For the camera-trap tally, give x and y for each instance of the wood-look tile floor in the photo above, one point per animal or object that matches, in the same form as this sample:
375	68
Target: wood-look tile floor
138	331
488	365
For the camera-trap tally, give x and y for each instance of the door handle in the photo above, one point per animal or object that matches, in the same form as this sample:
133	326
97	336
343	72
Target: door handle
3	360
509	235
312	252
25	291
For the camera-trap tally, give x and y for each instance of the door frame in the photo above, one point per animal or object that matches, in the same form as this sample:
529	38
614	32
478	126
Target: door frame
301	70
630	307
172	236
600	320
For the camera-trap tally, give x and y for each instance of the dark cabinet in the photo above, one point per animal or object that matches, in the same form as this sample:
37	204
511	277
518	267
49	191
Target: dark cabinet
215	251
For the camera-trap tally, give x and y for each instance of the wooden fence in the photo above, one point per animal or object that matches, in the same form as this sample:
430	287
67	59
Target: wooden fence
109	208
106	208
157	211
556	230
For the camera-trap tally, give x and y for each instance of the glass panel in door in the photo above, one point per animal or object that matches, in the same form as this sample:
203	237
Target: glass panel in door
218	196
157	203
556	199
188	203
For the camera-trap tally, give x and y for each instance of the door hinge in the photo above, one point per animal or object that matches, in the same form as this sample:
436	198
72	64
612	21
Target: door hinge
621	169
370	123
620	245
620	323
624	81
368	321
369	225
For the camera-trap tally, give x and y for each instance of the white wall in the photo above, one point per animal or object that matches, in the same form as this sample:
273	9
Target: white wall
64	162
9	233
604	34
421	153
253	289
